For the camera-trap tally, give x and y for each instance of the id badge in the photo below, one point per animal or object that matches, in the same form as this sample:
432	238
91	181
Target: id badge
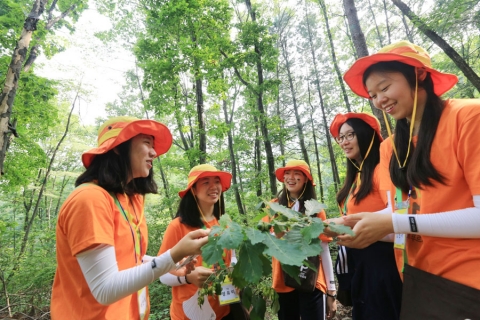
229	293
142	302
401	208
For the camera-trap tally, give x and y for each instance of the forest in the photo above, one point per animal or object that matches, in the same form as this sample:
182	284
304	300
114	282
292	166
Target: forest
244	85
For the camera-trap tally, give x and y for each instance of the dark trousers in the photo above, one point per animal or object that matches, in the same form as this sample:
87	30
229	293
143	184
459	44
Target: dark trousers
296	304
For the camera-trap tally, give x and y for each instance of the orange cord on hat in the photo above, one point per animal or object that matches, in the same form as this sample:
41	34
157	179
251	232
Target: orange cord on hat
359	181
201	212
412	123
288	198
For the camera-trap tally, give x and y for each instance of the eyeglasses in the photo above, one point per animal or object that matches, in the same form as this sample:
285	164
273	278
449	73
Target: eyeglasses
348	136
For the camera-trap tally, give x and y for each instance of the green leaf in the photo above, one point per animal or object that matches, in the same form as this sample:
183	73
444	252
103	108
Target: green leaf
255	236
247	297
284	251
289	213
292	271
212	252
249	260
312	207
232	235
339	228
312	231
312	249
259	308
294	235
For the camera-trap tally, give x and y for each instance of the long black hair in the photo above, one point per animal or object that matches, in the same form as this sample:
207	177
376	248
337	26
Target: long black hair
112	169
189	212
419	170
308	194
364	134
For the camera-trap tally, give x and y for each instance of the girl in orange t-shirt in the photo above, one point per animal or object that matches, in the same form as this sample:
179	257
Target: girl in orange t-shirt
372	278
297	188
433	161
201	206
101	235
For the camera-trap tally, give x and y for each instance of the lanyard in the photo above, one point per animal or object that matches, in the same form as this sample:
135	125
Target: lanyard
348	196
403	205
135	234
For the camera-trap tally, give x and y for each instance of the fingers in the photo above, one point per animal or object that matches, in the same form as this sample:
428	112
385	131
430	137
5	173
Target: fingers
200	233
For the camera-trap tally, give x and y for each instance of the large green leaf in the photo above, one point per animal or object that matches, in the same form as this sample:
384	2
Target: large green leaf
312	231
312	207
248	265
212	252
289	213
232	235
254	235
340	228
284	251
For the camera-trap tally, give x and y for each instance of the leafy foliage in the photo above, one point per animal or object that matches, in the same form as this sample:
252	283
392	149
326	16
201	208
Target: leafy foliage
255	247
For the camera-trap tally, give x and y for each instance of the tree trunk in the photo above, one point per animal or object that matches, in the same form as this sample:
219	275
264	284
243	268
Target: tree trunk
35	50
361	48
165	186
439	41
238	198
258	160
284	46
29	222
317	155
263	116
386	21
408	32
379	35
13	75
336	178
201	121
334	56
279	114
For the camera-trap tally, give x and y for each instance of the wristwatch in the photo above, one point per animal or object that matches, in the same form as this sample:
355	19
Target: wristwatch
334	296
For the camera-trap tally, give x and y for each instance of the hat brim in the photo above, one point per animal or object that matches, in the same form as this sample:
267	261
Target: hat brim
280	172
354	76
340	119
162	139
225	180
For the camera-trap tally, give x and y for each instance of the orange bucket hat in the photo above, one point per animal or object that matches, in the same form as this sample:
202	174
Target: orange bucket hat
402	51
340	119
294	165
120	129
207	170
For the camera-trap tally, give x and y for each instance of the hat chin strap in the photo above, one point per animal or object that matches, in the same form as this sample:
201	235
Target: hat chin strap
412	124
359	181
200	209
301	194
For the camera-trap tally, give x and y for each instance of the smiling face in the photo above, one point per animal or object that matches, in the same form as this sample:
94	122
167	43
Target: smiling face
207	190
350	147
391	92
294	181
141	156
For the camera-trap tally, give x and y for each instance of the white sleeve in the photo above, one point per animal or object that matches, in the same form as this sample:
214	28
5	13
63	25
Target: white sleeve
327	266
172	280
463	223
108	284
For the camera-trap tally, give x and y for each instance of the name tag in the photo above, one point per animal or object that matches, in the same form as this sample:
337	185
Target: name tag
229	293
142	302
400	238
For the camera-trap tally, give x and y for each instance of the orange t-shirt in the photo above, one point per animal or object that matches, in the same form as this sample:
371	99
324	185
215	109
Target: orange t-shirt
174	233
89	216
278	282
374	201
455	153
